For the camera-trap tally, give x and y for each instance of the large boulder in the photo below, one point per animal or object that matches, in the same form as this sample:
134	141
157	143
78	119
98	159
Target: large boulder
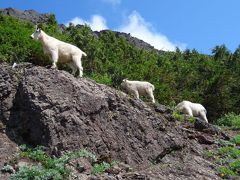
55	109
49	107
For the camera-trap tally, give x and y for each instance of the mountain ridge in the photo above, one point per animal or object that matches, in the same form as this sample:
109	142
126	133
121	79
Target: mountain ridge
37	18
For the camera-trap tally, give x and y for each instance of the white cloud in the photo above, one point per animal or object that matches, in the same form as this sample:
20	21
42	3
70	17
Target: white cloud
137	27
113	2
141	29
97	22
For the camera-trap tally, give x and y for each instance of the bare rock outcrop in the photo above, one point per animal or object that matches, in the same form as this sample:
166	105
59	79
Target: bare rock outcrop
49	107
28	15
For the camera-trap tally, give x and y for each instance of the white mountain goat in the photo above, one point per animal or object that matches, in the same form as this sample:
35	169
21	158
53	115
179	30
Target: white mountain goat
137	88
192	109
60	51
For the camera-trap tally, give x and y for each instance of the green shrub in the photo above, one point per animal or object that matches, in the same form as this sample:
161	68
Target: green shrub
231	170
235	166
49	168
36	172
230	120
178	116
191	119
225	172
182	117
53	168
16	45
225	143
36	154
229	152
100	168
209	153
227	157
236	140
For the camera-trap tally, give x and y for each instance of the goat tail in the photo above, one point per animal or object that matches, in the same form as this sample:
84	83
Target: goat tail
84	53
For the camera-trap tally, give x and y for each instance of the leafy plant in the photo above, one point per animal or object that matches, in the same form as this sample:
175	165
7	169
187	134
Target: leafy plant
230	120
236	140
182	117
225	143
235	166
100	168
178	116
225	172
209	154
229	151
230	170
191	119
36	154
227	157
49	168
36	172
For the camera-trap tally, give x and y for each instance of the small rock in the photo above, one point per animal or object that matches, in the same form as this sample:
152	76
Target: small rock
114	170
202	139
81	165
124	167
162	109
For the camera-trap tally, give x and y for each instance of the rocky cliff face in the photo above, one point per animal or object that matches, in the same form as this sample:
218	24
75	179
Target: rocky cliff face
40	106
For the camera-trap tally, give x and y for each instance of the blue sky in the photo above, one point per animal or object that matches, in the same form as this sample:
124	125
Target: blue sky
199	24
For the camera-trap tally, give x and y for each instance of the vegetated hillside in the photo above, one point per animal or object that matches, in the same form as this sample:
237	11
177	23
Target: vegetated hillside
212	80
36	18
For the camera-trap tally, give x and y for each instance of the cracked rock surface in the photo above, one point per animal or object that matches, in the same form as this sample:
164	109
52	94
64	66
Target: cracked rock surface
48	107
